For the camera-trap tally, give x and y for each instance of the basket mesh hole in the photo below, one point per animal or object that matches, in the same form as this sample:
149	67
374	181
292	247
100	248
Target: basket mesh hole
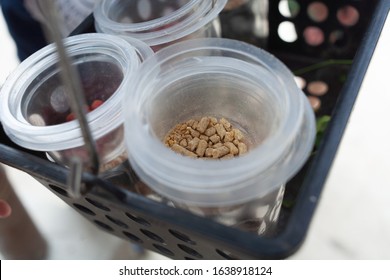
190	251
163	250
59	190
317	11
97	204
301	82
287	32
338	38
117	222
182	237
103	225
313	35
289	8
226	254
133	237
348	15
317	88
152	235
84	209
138	220
315	102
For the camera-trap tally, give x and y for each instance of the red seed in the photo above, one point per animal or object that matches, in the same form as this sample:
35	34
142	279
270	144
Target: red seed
70	117
96	103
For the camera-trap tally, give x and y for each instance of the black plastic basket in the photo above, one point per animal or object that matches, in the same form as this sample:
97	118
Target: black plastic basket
178	234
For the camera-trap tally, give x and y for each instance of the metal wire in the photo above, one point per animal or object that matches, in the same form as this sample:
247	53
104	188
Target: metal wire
76	97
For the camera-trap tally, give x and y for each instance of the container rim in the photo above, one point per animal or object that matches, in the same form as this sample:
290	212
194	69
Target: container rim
195	14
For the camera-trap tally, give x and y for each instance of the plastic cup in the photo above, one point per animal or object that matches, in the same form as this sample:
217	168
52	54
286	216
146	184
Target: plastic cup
247	86
35	111
159	23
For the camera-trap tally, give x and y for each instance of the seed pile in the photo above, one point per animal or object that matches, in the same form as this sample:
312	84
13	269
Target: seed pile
206	138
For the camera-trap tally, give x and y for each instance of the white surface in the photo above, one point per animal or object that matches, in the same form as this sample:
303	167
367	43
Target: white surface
353	217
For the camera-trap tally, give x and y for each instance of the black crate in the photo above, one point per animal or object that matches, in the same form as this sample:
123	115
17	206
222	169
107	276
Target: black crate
178	234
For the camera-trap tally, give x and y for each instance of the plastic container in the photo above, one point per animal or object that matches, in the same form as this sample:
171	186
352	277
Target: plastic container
227	79
159	23
34	108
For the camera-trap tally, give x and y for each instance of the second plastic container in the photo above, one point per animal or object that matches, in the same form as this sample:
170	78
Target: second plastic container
159	23
227	79
35	111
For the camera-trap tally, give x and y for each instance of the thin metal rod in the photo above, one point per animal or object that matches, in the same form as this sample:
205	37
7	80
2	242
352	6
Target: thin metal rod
75	177
71	82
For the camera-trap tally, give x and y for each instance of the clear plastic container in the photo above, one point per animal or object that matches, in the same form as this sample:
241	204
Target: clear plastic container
35	111
247	86
159	23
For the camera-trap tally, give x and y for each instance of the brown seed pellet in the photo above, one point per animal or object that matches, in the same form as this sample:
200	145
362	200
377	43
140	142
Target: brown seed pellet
194	133
238	135
203	124
207	138
210	131
194	125
220	152
215	138
182	150
201	149
220	130
183	143
227	156
190	123
209	152
242	148
217	145
232	148
226	124
213	120
229	136
193	144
